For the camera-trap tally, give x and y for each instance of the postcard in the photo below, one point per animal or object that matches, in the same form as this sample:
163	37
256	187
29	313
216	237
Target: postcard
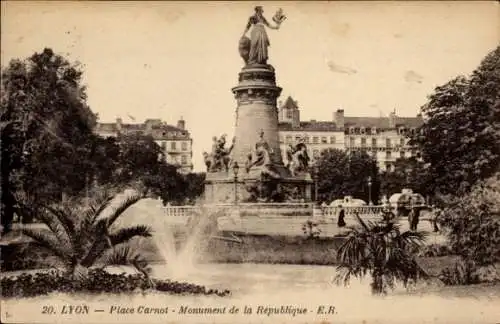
241	162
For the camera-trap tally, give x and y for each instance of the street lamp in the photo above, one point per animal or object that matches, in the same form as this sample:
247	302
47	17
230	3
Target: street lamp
316	171
236	168
369	191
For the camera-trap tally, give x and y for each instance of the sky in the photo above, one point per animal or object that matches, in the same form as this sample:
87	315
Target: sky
170	60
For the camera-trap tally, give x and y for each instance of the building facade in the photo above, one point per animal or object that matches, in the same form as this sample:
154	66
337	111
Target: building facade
385	138
175	141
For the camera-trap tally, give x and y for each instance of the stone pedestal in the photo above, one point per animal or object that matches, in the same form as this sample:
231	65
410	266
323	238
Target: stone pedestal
256	120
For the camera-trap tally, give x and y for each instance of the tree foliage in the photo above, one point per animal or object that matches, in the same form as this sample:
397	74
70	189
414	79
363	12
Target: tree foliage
473	223
460	137
342	174
49	149
407	173
45	123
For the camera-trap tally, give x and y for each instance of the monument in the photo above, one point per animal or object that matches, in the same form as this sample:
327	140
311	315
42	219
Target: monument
252	167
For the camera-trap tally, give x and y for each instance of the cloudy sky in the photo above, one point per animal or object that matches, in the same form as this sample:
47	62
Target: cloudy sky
167	60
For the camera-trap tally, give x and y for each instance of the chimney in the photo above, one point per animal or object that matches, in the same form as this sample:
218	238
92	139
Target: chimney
338	118
393	119
181	124
119	123
296	118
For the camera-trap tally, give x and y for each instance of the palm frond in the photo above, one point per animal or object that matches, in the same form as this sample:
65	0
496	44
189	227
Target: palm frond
48	240
87	225
64	218
98	246
361	222
55	227
121	254
126	234
124	205
412	240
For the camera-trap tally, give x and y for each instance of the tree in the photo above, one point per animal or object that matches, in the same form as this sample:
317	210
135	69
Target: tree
341	174
195	185
473	223
381	251
460	137
82	237
45	123
407	173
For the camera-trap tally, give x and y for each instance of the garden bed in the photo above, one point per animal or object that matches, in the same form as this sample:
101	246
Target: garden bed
97	281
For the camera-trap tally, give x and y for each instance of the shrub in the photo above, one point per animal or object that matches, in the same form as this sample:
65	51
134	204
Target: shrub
97	281
473	224
436	250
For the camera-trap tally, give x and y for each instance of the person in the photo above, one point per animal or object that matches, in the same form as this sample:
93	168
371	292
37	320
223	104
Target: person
413	218
387	215
436	214
341	219
259	41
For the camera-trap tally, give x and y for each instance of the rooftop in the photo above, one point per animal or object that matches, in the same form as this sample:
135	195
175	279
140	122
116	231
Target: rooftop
366	122
157	129
290	104
382	122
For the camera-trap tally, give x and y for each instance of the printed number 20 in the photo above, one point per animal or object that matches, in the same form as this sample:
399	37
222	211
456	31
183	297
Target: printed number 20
48	310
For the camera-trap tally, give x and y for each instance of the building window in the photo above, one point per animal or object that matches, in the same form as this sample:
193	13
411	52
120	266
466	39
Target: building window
289	114
351	141
297	139
289	139
388	155
184	146
332	140
374	142
306	139
351	130
324	140
184	159
402	154
362	130
388	166
163	146
363	142
388	142
315	140
374	131
402	142
173	145
401	131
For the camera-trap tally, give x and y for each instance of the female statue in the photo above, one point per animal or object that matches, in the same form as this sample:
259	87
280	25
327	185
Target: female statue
254	50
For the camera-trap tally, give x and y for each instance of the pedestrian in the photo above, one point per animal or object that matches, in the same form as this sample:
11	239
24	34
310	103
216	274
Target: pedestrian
436	213
341	219
413	218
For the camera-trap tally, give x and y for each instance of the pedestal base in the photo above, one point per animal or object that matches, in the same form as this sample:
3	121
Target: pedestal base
223	187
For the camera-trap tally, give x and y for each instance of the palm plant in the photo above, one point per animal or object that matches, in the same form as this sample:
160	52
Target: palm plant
81	237
383	252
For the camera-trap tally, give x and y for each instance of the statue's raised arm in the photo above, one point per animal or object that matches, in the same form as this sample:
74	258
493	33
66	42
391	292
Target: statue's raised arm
254	49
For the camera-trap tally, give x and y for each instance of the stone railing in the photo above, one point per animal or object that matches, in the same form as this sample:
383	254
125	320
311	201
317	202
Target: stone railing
274	210
351	210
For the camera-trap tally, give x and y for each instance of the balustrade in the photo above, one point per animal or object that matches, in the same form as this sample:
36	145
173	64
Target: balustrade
275	210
